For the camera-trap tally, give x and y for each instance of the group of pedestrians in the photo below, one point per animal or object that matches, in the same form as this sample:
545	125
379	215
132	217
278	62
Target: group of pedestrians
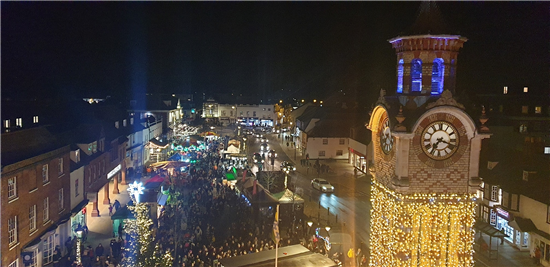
206	220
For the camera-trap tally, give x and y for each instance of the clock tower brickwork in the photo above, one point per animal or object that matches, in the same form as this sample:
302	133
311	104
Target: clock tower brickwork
423	191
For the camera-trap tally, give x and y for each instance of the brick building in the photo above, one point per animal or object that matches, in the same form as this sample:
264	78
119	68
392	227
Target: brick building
35	189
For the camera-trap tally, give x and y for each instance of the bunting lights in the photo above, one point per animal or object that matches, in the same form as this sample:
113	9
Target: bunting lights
421	229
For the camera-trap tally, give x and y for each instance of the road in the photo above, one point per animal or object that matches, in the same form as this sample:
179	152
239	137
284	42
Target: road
349	203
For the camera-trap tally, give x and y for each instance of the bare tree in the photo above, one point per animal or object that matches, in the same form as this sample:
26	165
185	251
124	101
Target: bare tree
267	179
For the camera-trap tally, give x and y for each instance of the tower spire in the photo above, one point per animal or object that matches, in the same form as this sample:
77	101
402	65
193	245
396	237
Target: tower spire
429	20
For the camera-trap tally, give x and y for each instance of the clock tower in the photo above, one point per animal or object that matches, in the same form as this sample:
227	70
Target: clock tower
426	155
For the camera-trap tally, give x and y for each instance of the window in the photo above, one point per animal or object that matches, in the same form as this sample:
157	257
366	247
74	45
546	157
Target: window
131	121
505	90
548	214
547	150
254	114
416	75
400	76
60	166
342	141
514	202
438	69
32	218
116	124
325	141
538	110
12	230
525	89
60	199
124	122
321	153
90	147
77	155
101	144
231	113
269	109
339	152
241	113
46	214
493	217
524	109
94	147
494	193
12	188
45	177
523	128
7	124
76	188
35	119
14	263
48	246
19	122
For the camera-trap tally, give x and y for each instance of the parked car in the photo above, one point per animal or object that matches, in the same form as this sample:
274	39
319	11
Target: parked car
285	165
258	158
264	147
322	184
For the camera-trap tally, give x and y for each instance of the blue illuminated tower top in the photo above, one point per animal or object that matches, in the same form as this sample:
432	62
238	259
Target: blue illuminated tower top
426	56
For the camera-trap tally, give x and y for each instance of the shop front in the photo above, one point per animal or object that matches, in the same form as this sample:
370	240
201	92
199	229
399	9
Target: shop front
516	228
541	240
358	160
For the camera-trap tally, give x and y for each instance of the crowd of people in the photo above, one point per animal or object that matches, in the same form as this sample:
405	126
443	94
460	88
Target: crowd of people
207	221
212	221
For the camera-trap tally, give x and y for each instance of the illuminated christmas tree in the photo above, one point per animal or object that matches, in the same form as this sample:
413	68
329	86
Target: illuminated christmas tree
141	248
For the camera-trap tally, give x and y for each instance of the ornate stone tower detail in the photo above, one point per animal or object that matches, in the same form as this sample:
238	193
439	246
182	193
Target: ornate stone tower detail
426	57
426	160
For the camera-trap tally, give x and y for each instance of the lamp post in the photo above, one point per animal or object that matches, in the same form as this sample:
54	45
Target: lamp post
309	224
78	231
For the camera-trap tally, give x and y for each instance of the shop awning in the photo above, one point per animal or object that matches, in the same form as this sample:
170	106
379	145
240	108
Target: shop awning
80	206
522	224
489	229
123	213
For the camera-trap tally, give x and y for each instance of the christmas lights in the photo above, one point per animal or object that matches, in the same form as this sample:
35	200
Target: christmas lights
141	249
421	229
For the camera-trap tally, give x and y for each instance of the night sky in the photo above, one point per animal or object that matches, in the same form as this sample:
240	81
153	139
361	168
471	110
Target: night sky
272	49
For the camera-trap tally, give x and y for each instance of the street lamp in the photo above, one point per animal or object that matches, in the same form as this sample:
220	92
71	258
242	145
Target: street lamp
78	231
327	228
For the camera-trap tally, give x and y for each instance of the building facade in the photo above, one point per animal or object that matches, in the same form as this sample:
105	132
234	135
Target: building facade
35	196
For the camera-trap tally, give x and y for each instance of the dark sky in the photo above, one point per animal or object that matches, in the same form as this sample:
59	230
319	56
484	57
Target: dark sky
308	49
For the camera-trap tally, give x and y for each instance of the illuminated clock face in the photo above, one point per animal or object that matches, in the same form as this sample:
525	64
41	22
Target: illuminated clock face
439	140
386	140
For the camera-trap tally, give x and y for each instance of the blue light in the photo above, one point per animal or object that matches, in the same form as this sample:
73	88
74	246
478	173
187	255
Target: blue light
416	75
438	75
400	77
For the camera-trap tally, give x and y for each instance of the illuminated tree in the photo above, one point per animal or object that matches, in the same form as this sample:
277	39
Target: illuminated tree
141	249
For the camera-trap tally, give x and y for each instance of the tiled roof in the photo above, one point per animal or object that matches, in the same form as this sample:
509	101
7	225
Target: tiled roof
27	143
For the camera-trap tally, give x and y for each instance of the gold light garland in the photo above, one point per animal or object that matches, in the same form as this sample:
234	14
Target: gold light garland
421	229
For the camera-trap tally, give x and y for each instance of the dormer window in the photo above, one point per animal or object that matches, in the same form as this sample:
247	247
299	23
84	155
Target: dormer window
524	109
526	174
77	155
19	122
505	90
124	122
116	124
525	89
7	124
131	121
35	119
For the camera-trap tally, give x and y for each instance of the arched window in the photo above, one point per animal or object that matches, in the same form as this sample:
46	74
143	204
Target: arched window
416	75
400	77
438	70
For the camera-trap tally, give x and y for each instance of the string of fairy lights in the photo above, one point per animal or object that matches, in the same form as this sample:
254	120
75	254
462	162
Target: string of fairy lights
421	229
